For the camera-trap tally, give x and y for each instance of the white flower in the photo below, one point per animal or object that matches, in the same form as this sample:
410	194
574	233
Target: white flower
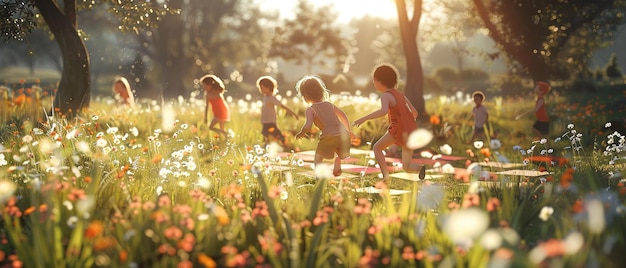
284	195
543	141
491	240
463	226
84	206
447	168
607	125
101	143
323	171
430	197
446	149
596	217
478	144
27	139
134	131
573	242
419	138
570	126
7	189
545	213
112	130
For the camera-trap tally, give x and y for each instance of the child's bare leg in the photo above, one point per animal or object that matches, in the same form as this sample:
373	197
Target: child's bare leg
378	148
409	167
219	130
407	155
337	168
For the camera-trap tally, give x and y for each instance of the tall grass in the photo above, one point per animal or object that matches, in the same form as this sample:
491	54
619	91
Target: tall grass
152	187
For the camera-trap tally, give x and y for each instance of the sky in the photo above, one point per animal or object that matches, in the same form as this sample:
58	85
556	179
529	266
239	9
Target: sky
347	9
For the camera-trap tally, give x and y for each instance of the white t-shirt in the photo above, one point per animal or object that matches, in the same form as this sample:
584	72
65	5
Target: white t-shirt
268	110
480	115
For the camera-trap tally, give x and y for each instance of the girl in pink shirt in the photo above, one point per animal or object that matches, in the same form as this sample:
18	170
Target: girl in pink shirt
214	90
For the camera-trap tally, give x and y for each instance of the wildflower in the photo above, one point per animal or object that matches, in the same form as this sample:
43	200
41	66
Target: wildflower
462	226
207	261
173	233
596	217
284	195
495	144
429	197
323	171
7	189
485	152
493	204
545	213
491	240
95	228
478	144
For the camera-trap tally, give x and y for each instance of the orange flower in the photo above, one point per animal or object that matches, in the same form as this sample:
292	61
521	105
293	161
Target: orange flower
577	206
94	229
87	179
207	261
434	119
103	243
485	152
123	256
29	210
157	158
222	216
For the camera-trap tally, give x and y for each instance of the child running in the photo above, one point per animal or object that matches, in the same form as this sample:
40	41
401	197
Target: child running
333	123
480	115
214	90
122	92
541	127
402	120
268	87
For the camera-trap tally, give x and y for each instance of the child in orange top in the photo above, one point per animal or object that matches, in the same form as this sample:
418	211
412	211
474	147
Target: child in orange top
402	119
122	93
214	90
332	122
267	86
541	127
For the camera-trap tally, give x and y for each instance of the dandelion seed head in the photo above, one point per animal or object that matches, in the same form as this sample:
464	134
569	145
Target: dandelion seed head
465	225
419	138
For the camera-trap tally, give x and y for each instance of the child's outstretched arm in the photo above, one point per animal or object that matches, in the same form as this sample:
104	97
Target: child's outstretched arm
206	112
385	99
537	106
290	111
308	124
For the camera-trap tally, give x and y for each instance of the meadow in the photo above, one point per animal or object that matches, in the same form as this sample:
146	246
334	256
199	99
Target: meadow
152	187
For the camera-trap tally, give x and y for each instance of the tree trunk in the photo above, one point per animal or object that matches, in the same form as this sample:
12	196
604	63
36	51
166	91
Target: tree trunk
73	93
414	89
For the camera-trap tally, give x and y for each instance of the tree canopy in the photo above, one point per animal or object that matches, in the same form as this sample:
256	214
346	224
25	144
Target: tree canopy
20	17
550	38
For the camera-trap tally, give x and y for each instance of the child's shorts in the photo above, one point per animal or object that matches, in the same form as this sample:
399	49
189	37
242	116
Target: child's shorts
328	146
542	126
270	129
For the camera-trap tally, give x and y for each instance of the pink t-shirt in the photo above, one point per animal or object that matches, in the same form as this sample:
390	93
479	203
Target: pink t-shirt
326	119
